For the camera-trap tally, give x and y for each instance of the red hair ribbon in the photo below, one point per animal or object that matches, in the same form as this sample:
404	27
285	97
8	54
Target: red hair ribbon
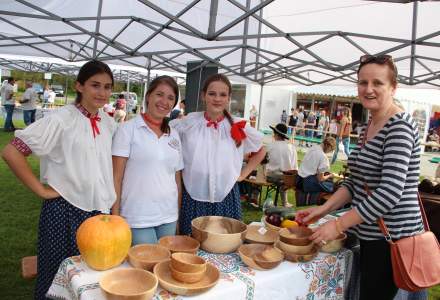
237	131
93	122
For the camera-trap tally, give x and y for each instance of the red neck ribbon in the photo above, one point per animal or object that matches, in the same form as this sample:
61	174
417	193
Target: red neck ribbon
212	123
94	122
150	121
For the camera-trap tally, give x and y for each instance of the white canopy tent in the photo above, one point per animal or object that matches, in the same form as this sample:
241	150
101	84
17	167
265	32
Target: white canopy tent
263	41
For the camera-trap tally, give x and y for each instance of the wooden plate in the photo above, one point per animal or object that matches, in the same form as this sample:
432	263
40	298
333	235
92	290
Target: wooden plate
253	236
163	273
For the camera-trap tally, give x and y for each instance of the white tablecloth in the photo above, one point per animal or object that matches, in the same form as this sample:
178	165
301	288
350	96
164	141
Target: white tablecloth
323	278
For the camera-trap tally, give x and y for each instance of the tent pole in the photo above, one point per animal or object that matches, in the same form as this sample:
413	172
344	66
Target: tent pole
260	105
413	45
245	33
257	60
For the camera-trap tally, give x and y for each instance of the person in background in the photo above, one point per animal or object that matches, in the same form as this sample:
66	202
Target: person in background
29	104
74	146
46	94
214	144
343	134
51	98
120	113
314	172
333	128
293	120
383	182
310	124
282	158
8	102
253	114
323	124
147	162
178	113
283	117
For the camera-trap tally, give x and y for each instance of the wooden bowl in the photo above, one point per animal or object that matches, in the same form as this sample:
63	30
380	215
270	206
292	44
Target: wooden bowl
218	234
254	236
268	225
296	249
293	257
163	272
298	236
146	256
180	243
187	263
252	255
133	284
335	245
186	277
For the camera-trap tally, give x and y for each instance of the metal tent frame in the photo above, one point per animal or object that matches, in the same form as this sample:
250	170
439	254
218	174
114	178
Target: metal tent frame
237	45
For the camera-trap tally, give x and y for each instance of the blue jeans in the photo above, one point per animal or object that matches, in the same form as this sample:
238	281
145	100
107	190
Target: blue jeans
151	235
29	116
346	143
9	111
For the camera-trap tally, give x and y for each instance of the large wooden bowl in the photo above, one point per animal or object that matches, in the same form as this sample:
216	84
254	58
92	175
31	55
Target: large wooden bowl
163	272
296	249
298	235
260	257
268	225
218	234
180	243
130	284
146	256
253	235
335	245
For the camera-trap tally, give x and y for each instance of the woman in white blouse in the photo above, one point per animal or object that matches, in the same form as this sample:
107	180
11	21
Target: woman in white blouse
147	159
74	146
214	144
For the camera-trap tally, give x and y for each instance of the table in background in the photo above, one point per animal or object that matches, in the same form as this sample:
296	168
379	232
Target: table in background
325	277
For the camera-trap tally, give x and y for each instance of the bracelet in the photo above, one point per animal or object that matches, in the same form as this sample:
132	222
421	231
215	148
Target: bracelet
338	226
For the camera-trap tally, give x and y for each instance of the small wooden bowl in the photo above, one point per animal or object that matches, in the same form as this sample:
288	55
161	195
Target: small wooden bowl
132	284
146	256
268	225
293	257
218	234
298	236
269	258
163	272
254	236
180	243
335	245
187	263
249	253
296	249
187	277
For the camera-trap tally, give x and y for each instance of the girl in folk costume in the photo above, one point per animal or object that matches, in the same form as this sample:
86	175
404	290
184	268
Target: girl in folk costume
147	159
74	146
214	144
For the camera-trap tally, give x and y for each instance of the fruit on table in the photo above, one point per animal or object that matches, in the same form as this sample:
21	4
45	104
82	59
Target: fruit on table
274	219
104	241
288	223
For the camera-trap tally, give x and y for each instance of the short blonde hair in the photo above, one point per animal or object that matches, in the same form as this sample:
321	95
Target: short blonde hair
329	144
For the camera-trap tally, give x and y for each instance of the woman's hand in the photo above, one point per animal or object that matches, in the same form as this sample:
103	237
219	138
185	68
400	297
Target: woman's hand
310	215
49	193
324	233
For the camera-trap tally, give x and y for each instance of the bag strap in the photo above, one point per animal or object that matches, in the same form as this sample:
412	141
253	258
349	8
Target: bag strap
381	223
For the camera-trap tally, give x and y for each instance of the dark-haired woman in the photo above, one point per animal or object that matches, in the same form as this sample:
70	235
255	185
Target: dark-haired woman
147	159
74	146
214	144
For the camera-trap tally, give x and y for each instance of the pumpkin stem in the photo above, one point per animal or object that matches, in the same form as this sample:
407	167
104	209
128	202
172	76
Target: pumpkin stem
105	218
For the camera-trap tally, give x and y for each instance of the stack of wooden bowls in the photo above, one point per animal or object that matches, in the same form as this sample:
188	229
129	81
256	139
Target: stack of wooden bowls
187	268
296	245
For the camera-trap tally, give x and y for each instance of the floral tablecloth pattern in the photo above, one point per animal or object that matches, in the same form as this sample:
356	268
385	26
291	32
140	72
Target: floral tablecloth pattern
325	277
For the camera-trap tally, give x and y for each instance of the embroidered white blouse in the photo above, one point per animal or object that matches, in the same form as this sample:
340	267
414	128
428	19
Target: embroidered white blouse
73	162
212	162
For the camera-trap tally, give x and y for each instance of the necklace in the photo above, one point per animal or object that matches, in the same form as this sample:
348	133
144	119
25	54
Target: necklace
150	121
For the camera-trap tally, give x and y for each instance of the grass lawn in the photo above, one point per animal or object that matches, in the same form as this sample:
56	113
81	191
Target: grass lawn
19	223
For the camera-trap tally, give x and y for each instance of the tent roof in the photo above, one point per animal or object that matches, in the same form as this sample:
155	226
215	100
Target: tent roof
265	41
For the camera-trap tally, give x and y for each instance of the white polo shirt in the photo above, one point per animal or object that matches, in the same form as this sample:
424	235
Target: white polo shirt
149	190
282	156
315	161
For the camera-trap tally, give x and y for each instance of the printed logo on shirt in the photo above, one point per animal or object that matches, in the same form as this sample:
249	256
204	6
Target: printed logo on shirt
174	143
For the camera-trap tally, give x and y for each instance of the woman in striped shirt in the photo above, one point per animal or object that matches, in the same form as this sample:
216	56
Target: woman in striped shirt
386	161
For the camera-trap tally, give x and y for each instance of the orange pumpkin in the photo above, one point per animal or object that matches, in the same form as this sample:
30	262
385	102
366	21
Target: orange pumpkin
104	241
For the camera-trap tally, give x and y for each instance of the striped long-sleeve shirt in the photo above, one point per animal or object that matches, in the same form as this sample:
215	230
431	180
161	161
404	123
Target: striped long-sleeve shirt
389	164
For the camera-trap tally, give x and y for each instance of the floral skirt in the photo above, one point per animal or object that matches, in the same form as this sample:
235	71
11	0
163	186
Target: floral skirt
191	209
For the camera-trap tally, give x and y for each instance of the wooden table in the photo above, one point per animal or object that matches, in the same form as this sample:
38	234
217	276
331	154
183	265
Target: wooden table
259	184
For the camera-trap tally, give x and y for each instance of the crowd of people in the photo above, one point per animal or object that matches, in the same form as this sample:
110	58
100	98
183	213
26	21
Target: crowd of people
160	174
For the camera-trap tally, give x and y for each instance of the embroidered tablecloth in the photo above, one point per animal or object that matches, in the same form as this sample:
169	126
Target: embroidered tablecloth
325	277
